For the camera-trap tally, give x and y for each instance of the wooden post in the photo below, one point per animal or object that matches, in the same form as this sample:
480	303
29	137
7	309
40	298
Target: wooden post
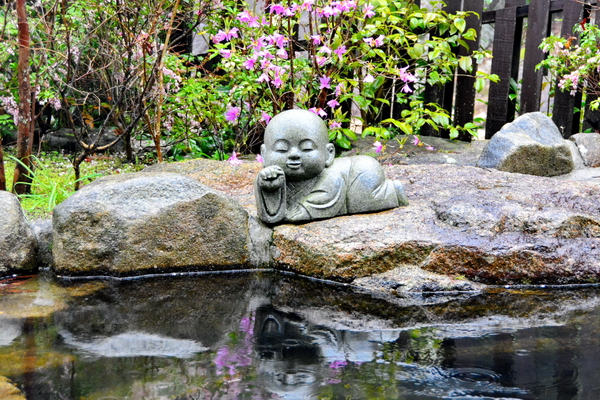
531	87
465	82
506	49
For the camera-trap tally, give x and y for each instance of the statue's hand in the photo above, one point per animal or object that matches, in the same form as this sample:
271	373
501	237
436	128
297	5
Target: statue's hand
271	178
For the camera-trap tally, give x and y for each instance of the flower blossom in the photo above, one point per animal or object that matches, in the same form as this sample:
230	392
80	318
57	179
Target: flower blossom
369	79
375	42
324	82
368	11
277	9
260	159
225	35
319	111
233	114
233	160
334	124
340	51
265	117
378	147
333	103
248	19
416	140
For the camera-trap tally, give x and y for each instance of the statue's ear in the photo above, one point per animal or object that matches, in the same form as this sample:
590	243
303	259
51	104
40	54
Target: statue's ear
330	154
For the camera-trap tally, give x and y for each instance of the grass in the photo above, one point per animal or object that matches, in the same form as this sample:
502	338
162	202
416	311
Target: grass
53	178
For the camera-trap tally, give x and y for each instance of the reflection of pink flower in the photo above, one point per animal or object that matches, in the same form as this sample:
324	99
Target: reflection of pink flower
260	159
233	160
378	146
337	364
233	114
430	148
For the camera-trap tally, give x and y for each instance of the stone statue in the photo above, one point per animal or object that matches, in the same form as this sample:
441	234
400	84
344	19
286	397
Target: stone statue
302	181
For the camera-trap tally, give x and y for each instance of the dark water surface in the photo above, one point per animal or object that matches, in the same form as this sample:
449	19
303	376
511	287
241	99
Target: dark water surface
270	336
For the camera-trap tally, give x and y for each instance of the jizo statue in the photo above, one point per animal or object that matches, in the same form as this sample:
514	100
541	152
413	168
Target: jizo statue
302	181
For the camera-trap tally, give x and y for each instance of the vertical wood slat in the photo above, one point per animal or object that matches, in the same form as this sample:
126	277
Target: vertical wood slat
564	103
504	41
538	29
465	82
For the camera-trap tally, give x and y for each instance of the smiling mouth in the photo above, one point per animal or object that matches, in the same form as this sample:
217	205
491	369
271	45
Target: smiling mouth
294	165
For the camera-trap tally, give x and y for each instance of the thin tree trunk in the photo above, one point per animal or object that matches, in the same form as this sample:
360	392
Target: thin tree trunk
22	177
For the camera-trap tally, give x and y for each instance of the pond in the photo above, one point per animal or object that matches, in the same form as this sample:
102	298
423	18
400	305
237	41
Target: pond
265	335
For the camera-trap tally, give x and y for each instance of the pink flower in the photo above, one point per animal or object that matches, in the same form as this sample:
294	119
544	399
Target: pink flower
248	19
316	39
378	146
321	60
368	11
307	5
225	35
319	111
278	40
265	117
325	50
260	159
430	148
277	9
225	53
333	103
407	76
281	53
338	90
264	77
233	114
406	89
334	124
249	63
375	42
277	82
369	79
324	82
340	51
233	160
416	141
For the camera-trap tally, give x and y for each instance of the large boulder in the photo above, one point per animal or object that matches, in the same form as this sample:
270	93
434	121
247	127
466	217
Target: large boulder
484	225
18	244
588	145
146	223
531	144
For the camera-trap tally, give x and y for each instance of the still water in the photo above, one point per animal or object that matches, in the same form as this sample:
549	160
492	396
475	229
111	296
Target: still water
271	336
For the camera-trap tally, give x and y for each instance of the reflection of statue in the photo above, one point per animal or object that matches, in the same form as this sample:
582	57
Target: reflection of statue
301	180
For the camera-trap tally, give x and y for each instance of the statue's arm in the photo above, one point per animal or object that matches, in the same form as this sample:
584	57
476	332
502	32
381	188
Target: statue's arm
270	193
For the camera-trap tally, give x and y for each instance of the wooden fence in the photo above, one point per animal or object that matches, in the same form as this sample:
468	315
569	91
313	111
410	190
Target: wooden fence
507	46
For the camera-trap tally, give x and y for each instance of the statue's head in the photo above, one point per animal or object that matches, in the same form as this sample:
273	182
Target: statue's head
298	142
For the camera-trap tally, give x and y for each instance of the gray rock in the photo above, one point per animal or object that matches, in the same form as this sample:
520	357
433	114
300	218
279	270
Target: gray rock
589	148
532	145
18	245
485	226
146	223
578	162
43	233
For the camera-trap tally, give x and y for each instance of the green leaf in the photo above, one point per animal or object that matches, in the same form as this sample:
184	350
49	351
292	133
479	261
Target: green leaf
460	24
465	63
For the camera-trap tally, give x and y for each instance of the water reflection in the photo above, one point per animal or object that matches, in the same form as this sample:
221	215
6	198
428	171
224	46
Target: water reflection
270	336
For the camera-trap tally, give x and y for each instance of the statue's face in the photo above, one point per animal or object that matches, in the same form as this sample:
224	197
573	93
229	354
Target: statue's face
298	143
